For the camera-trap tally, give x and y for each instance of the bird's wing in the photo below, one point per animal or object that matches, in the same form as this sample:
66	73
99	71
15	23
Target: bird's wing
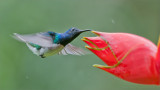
70	49
41	39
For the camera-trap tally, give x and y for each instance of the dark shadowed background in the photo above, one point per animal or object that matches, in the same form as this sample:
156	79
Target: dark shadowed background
20	69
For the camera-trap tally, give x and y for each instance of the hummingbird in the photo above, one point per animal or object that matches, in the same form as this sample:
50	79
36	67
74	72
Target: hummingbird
49	43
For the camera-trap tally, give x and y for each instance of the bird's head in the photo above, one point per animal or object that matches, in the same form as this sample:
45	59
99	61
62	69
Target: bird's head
71	34
74	32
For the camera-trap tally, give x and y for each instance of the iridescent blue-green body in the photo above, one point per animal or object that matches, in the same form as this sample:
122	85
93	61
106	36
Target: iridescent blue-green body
50	43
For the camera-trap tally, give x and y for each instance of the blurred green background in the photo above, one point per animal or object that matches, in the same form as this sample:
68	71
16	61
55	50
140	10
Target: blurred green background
20	69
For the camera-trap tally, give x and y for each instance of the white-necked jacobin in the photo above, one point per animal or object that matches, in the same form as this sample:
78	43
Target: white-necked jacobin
49	43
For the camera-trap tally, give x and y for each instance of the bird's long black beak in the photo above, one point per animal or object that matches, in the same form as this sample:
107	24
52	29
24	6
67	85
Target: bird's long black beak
85	30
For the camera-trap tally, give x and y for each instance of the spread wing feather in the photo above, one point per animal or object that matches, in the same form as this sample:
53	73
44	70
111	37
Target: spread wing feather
41	39
70	49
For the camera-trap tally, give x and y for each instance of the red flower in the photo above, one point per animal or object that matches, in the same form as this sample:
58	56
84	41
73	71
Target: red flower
129	57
